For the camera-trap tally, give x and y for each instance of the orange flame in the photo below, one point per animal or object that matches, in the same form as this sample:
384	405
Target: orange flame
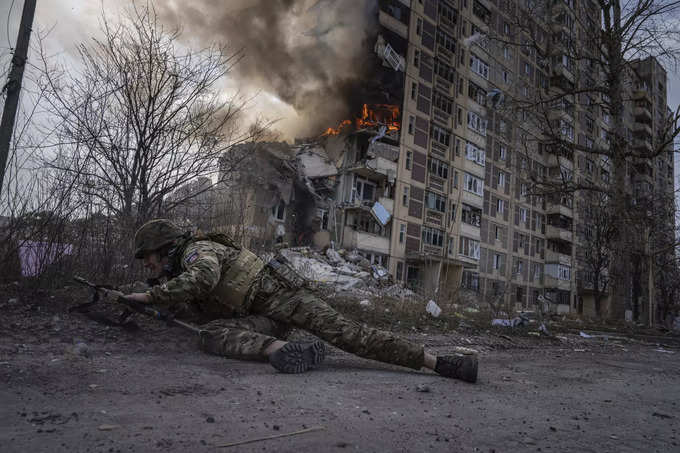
371	116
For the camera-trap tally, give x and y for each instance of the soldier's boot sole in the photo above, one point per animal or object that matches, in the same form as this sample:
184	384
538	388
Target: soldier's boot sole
296	358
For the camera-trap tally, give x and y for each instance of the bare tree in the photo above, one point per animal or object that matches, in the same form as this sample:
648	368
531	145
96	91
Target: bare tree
595	232
588	59
142	118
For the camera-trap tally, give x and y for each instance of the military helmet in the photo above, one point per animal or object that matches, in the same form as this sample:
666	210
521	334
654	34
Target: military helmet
155	234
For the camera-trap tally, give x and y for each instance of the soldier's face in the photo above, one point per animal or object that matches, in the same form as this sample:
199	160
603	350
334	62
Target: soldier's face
154	263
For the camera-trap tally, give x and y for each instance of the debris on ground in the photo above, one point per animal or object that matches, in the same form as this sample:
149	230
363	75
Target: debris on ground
519	321
433	309
423	388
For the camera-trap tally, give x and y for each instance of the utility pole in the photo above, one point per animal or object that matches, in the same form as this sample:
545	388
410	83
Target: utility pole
13	85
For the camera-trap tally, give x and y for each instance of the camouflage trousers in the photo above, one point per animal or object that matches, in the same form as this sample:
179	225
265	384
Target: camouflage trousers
276	307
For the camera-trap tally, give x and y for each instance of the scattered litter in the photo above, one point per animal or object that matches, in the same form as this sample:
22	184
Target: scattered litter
249	441
665	351
544	329
580	350
433	309
424	388
585	335
515	322
471	310
365	303
108	427
93	386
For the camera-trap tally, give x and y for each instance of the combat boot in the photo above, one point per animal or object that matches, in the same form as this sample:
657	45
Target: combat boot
459	366
296	357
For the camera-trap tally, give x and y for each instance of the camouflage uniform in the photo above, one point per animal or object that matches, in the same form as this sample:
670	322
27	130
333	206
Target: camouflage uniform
252	306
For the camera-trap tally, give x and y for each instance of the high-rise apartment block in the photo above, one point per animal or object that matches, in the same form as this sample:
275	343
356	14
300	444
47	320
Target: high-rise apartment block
473	146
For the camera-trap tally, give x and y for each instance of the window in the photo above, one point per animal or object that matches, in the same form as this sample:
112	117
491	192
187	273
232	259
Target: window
442	102
497	232
433	236
323	215
435	201
440	135
445	40
409	159
502	126
404	198
439	168
589	166
414	90
500	205
364	190
411	124
279	210
419	26
506	77
477	123
558	271
402	233
416	58
471	215
444	70
449	248
503	152
501	179
400	271
473	184
475	154
507	54
470	281
497	261
523	215
527	69
469	247
567	130
476	93
479	66
453	212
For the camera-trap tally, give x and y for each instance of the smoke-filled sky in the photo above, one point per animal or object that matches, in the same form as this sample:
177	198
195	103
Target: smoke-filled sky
301	58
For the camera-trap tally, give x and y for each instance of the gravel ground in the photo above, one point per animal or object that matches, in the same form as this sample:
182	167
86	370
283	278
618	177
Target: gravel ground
154	391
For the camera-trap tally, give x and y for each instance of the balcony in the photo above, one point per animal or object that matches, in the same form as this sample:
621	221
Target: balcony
470	231
361	240
378	167
642	114
472	199
473	168
557	114
393	24
552	282
642	145
642	95
642	129
557	208
555	257
553	232
560	71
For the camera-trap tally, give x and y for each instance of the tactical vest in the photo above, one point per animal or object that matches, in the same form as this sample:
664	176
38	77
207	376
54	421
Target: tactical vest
237	280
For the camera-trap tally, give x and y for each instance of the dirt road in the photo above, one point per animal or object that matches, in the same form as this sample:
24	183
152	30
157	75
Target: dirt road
153	391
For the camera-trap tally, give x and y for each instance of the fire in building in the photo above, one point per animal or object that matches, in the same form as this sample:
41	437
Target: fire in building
431	173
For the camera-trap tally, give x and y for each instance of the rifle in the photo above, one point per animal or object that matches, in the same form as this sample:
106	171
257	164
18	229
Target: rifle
124	320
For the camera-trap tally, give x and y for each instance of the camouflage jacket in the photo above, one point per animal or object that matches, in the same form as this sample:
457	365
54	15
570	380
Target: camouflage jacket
214	277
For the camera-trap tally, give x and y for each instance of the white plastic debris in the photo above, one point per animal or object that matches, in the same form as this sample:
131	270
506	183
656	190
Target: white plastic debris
365	303
433	309
380	213
333	256
585	335
514	322
665	351
496	98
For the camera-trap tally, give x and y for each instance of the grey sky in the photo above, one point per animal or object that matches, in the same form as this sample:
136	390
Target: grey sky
74	21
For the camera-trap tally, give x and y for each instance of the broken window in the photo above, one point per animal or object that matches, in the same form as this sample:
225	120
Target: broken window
435	201
411	124
476	93
444	70
475	154
404	199
279	210
402	233
446	40
440	135
364	190
409	159
471	215
477	123
442	102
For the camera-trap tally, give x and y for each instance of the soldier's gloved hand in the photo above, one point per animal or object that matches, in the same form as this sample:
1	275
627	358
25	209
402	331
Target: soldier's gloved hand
109	295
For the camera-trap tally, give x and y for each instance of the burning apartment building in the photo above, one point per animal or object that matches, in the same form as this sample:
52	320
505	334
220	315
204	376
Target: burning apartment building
429	178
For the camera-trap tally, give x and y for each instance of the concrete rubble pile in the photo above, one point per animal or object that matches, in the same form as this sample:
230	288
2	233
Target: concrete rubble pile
343	271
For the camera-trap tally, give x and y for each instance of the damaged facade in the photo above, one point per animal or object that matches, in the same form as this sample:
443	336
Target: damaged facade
431	180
